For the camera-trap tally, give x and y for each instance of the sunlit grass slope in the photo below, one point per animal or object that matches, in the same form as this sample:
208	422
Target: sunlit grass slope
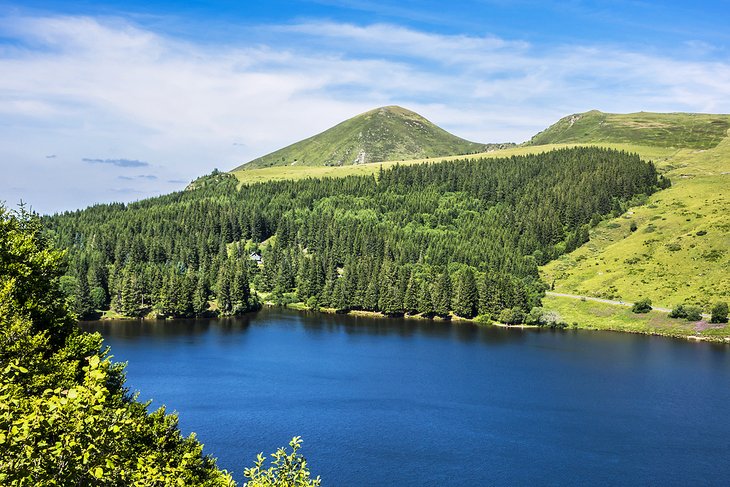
300	172
680	251
680	130
386	133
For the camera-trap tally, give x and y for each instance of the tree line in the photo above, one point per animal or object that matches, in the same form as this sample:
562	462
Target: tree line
463	237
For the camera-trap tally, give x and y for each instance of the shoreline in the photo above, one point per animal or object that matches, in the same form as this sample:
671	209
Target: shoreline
456	319
720	339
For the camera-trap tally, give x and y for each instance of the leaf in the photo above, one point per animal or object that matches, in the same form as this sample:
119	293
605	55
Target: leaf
94	361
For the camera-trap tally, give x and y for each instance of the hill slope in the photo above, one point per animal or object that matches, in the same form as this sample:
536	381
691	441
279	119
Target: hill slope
679	252
386	133
679	130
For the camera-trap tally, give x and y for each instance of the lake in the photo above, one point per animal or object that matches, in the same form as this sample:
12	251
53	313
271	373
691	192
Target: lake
419	403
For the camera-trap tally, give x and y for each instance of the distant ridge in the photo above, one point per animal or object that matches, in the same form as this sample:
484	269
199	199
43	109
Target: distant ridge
680	130
383	134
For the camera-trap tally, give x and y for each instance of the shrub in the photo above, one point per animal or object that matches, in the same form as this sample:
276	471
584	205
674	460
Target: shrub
678	312
287	469
719	313
534	316
312	303
513	316
693	313
642	306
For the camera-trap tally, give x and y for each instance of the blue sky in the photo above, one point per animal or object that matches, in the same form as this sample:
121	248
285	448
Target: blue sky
117	101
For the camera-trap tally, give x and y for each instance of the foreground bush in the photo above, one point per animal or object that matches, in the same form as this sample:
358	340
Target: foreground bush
287	469
65	416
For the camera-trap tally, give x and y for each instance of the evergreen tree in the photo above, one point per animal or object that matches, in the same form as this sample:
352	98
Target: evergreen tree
410	301
130	295
200	297
390	301
303	280
425	304
465	295
240	289
82	298
372	295
442	294
502	216
223	289
339	296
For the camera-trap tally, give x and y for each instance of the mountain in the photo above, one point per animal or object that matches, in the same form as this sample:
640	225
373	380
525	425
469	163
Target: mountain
384	134
595	232
678	130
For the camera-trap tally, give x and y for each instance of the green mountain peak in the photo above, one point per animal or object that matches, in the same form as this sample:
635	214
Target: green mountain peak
382	134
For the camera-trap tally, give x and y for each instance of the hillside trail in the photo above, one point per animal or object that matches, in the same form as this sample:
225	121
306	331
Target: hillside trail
609	301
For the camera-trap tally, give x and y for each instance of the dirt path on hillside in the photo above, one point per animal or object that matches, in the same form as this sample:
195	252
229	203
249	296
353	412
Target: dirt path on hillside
608	301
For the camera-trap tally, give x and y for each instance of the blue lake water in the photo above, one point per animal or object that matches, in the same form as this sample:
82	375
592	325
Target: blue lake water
418	403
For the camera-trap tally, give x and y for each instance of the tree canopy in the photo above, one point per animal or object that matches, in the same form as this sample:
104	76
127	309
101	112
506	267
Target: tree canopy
354	242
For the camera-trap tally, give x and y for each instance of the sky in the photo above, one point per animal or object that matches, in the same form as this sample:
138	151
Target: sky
105	101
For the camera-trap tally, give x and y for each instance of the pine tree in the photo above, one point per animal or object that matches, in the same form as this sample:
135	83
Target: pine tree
410	301
240	289
303	282
465	295
390	301
339	295
130	295
223	291
82	298
488	299
200	297
372	293
425	303
442	294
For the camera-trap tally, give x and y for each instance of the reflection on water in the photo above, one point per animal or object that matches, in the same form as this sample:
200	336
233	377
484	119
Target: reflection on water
417	402
311	322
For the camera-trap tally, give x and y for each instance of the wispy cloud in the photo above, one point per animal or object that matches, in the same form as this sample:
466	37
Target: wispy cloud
81	85
148	177
117	162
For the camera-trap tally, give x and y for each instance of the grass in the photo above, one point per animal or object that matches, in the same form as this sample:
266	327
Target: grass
680	252
278	173
590	315
378	135
679	130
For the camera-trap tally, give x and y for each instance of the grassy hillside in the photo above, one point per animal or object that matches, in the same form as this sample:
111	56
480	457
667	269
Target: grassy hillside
280	173
679	130
383	134
680	251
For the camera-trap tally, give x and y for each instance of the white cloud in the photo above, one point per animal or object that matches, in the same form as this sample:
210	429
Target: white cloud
80	87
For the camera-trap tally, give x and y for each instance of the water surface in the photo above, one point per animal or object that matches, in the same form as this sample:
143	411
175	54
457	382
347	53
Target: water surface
418	403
